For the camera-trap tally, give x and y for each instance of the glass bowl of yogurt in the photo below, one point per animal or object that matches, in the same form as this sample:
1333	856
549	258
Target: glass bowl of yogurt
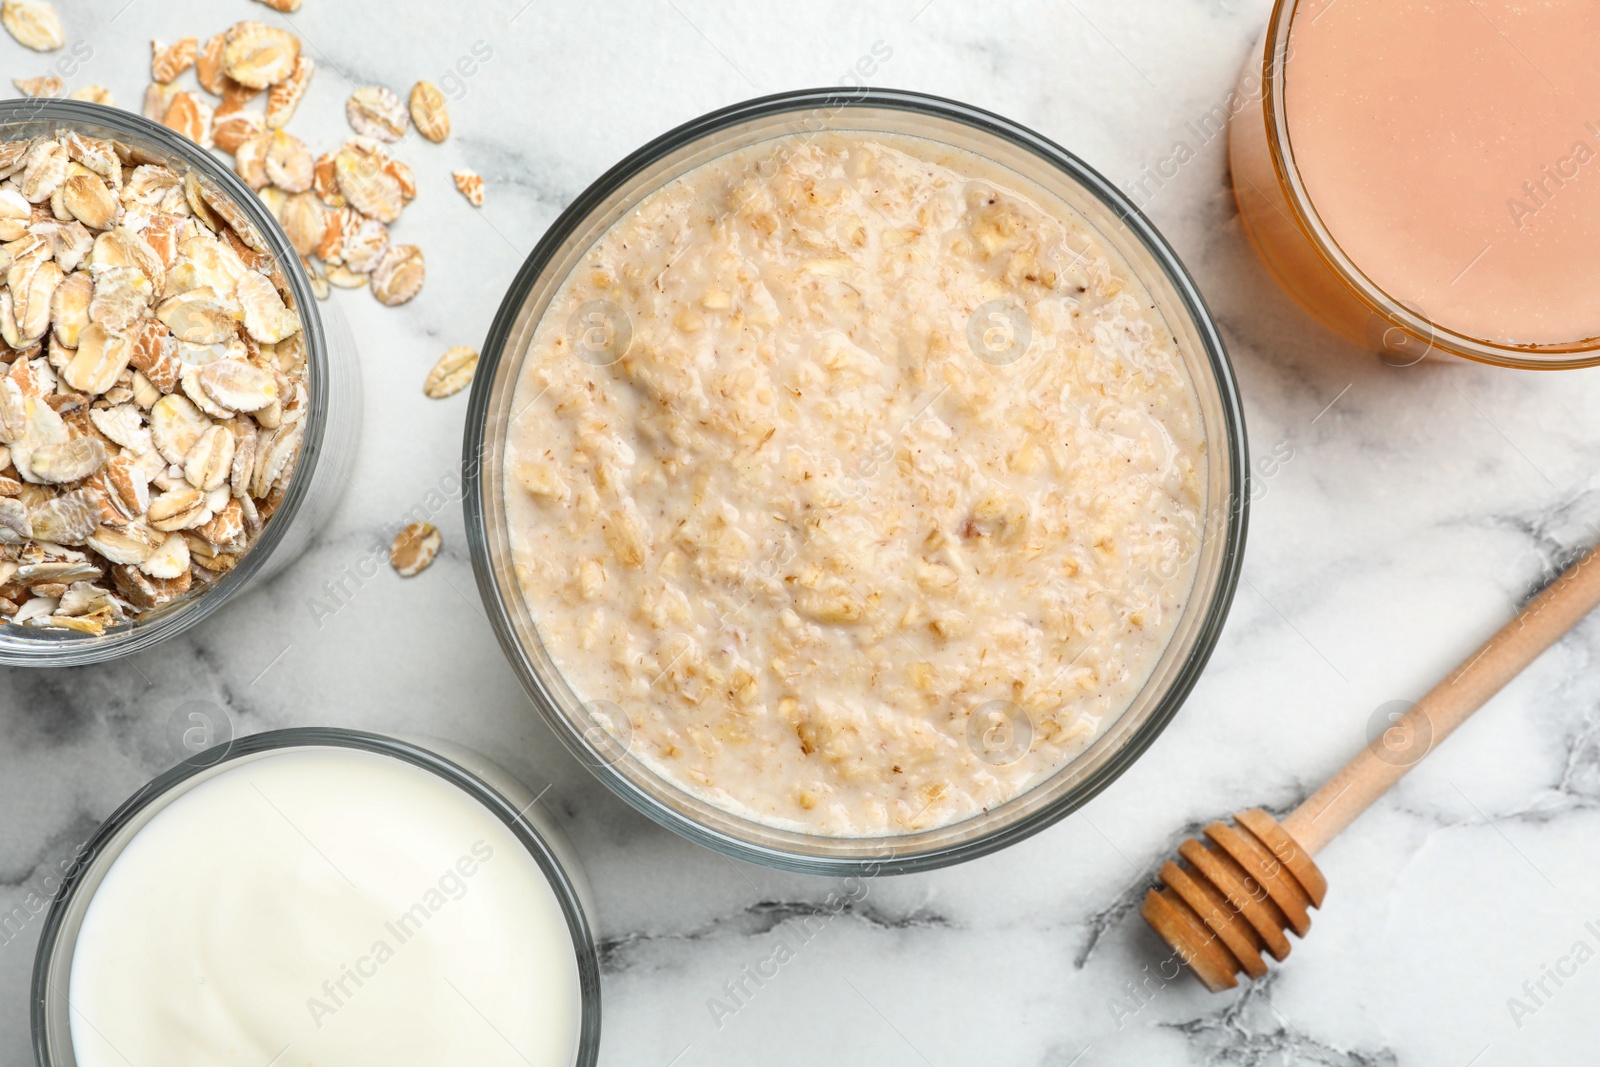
309	896
856	481
170	449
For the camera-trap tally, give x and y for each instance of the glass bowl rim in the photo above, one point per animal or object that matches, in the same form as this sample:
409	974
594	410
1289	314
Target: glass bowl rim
1274	62
409	752
1214	355
187	611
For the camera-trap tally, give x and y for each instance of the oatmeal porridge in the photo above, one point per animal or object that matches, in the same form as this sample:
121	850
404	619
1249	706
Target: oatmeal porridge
855	482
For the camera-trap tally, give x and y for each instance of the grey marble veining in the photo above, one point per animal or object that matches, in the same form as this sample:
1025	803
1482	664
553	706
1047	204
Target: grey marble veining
1417	507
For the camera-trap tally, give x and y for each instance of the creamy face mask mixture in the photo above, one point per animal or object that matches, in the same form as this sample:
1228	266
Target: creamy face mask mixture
854	483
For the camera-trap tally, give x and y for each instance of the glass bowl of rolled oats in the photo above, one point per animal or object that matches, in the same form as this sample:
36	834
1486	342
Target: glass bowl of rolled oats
856	480
173	410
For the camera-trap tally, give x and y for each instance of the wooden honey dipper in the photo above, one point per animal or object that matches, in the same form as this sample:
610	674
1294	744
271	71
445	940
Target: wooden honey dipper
1254	880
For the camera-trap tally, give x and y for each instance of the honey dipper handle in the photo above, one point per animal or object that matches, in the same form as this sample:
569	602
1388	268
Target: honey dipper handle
1413	735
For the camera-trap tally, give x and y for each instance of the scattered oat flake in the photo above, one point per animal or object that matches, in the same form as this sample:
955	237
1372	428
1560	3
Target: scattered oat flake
429	113
363	242
190	116
229	132
289	163
318	279
344	277
403	177
94	94
414	548
359	170
338	224
470	182
377	112
157	99
288	7
305	221
452	373
208	65
44	85
235	95
285	97
325	183
167	61
398	275
257	55
34	23
250	160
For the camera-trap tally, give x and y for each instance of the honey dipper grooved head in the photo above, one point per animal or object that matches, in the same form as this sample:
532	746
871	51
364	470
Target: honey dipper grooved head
1241	889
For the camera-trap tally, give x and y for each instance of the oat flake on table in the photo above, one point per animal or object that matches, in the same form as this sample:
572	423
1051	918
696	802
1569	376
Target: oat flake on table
414	549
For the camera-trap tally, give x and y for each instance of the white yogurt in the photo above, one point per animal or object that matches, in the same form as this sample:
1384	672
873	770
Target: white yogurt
324	906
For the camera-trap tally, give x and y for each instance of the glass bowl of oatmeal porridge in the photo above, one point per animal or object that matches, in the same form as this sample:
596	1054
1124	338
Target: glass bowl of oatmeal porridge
175	412
856	481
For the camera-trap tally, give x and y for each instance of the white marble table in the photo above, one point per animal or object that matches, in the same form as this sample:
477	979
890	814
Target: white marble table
1418	507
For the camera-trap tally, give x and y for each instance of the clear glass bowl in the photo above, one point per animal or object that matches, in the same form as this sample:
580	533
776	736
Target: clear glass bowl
1296	246
505	797
333	422
1036	159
